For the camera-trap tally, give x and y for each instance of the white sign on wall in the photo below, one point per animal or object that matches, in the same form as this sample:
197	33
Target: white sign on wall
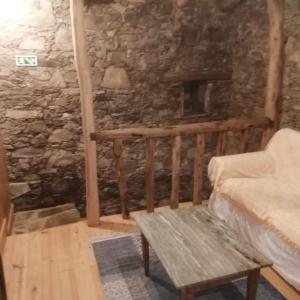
26	60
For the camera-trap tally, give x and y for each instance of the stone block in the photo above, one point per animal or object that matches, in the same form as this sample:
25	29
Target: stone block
63	39
71	91
71	76
48	171
293	50
18	189
4	72
26	152
115	78
37	220
63	218
46	212
63	185
40	74
61	158
33	44
228	4
39	141
23	114
6	84
60	136
38	126
40	15
57	79
92	22
23	164
119	8
116	57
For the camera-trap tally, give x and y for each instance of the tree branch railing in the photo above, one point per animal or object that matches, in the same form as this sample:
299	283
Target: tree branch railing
117	136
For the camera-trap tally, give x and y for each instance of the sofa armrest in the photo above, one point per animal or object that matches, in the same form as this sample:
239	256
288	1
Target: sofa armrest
247	165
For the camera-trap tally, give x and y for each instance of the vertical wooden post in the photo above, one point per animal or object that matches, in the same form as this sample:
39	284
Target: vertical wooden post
3	293
252	283
145	252
198	180
187	294
273	104
4	192
88	125
221	143
150	191
122	178
176	161
244	141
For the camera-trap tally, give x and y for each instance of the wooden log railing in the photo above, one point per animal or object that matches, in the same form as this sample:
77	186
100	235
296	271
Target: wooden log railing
149	156
199	154
175	132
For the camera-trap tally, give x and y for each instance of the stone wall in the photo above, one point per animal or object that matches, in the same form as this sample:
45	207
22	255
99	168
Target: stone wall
140	54
291	91
145	43
248	42
134	47
39	107
249	45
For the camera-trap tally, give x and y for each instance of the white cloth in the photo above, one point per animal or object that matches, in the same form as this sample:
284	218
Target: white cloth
265	184
286	260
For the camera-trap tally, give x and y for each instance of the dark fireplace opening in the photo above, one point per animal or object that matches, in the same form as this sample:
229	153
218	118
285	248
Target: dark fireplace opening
196	97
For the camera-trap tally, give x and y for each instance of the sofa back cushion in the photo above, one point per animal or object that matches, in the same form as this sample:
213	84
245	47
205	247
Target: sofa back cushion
284	147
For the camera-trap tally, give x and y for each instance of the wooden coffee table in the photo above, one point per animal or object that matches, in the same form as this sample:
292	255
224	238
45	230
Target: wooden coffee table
198	250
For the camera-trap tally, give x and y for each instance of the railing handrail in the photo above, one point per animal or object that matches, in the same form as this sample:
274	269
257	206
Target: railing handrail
192	128
175	133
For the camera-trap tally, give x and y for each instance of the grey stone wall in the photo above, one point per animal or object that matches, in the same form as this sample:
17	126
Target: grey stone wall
39	107
248	42
249	45
140	53
133	47
151	41
291	91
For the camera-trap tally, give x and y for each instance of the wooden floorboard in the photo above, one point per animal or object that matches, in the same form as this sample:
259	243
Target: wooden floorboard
282	286
58	263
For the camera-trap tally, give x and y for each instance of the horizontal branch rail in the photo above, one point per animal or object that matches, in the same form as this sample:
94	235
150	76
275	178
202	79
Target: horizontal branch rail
197	128
116	136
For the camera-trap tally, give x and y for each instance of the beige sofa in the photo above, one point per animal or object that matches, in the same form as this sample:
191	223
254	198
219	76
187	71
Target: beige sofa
258	194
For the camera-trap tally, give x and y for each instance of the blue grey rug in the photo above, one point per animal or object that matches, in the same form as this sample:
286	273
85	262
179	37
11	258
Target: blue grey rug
121	268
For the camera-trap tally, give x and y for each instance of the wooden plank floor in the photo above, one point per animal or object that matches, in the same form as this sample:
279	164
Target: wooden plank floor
58	263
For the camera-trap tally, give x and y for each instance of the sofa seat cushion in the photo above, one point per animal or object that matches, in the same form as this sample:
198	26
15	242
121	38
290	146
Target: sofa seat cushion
269	201
286	222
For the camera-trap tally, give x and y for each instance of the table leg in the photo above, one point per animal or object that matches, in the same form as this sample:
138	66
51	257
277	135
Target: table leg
252	283
187	294
145	249
3	295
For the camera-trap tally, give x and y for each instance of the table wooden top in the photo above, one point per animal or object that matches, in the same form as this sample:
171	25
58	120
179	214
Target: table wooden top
195	246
